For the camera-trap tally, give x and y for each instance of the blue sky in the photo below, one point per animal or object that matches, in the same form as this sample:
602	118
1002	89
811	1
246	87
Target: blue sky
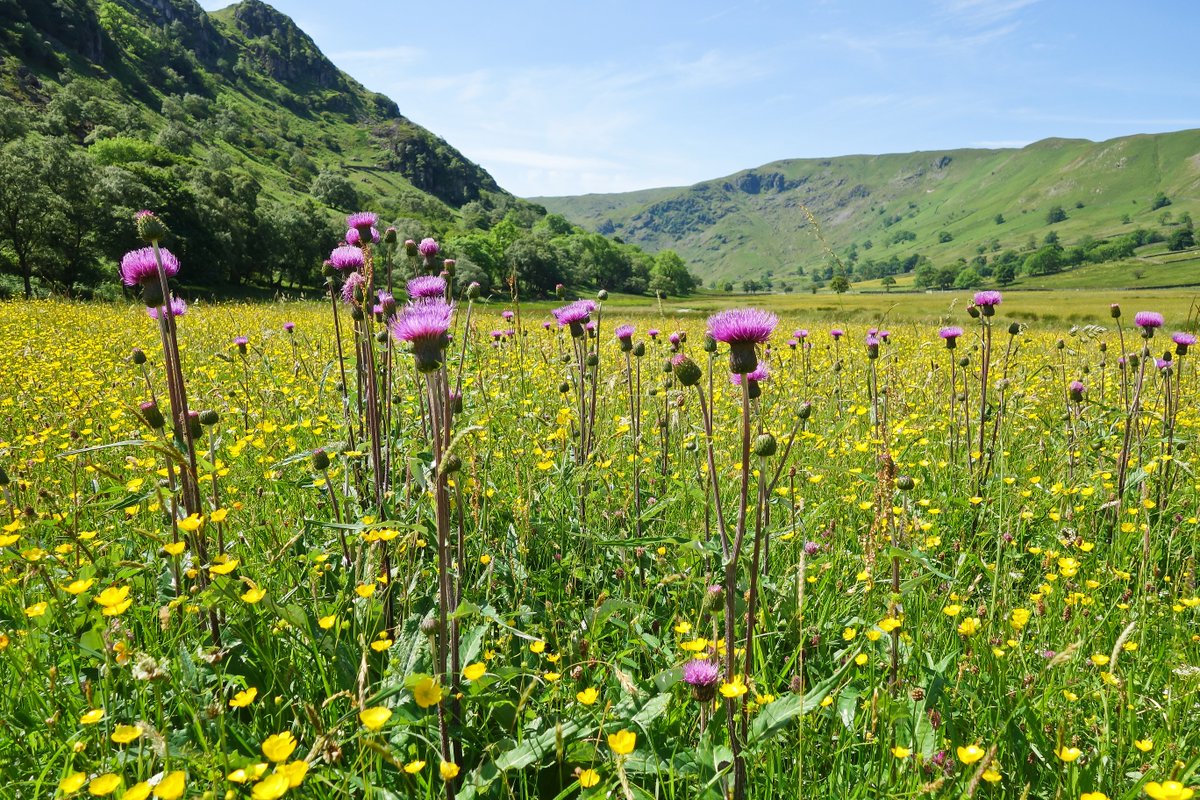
571	97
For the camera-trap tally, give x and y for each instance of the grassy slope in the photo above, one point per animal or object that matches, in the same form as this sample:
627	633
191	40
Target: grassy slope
730	233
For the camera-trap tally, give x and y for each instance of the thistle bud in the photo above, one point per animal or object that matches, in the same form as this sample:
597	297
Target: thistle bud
964	362
765	445
209	417
564	387
714	600
138	356
804	411
473	290
1075	391
592	359
381	336
1115	310
639	349
430	626
687	371
451	464
450	266
320	460
905	483
456	401
1060	344
973	311
154	418
710	344
410	248
560	291
3	477
602	295
390	236
149	227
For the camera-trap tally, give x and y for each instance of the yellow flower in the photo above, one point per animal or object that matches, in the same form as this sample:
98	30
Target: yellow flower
171	786
278	747
901	752
970	754
139	791
1093	796
1145	745
474	672
115	600
79	586
191	524
1020	617
1168	790
537	647
375	717
1098	659
365	590
247	774
225	568
36	610
427	692
622	742
991	775
1068	754
72	783
219	515
413	767
295	772
124	734
104	784
849	634
969	626
244	698
327	622
174	548
270	788
448	770
952	610
92	716
589	778
588	696
253	595
485	559
861	659
889	624
734	688
552	676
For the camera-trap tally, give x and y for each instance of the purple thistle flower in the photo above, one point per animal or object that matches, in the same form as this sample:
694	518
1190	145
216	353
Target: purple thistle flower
546	325
653	333
139	267
497	335
289	326
761	373
241	341
178	308
837	333
427	287
355	238
1148	319
387	303
702	675
802	333
346	257
361	220
872	331
624	331
1075	391
883	335
506	314
742	329
952	332
792	343
673	338
987	298
353	284
1162	363
574	315
426	326
428	248
1182	342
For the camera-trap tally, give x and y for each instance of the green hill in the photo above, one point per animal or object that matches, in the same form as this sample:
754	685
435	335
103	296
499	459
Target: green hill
889	215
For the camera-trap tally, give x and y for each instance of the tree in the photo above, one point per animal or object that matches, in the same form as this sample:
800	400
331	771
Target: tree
1046	261
727	286
967	278
334	189
22	196
1181	239
670	275
945	236
840	284
999	219
1159	201
888	282
1006	273
1055	214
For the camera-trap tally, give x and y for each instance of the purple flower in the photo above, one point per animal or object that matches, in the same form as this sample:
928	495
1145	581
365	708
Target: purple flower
761	373
139	266
802	333
792	343
387	303
426	326
546	325
884	335
742	329
811	548
351	288
289	326
427	287
428	248
241	341
1162	363
653	333
988	298
354	237
1148	319
346	257
1075	391
624	331
506	314
574	315
361	219
673	338
837	333
1182	342
952	332
702	675
178	308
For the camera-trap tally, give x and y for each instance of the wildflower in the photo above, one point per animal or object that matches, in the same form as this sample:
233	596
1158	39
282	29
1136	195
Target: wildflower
969	626
991	775
901	752
836	333
428	287
124	734
474	672
1068	754
588	696
171	786
92	716
1148	321
103	785
742	329
701	674
575	316
375	717
1145	745
889	624
1182	342
537	647
346	257
115	601
327	622
139	267
244	698
687	371
1168	790
622	742
72	783
139	791
247	774
278	747
426	327
295	772
176	306
353	289
952	610
950	335
589	778
362	221
970	754
448	770
1019	618
413	767
36	610
734	688
1093	796
624	334
428	248
270	788
1075	391
427	692
253	595
987	301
